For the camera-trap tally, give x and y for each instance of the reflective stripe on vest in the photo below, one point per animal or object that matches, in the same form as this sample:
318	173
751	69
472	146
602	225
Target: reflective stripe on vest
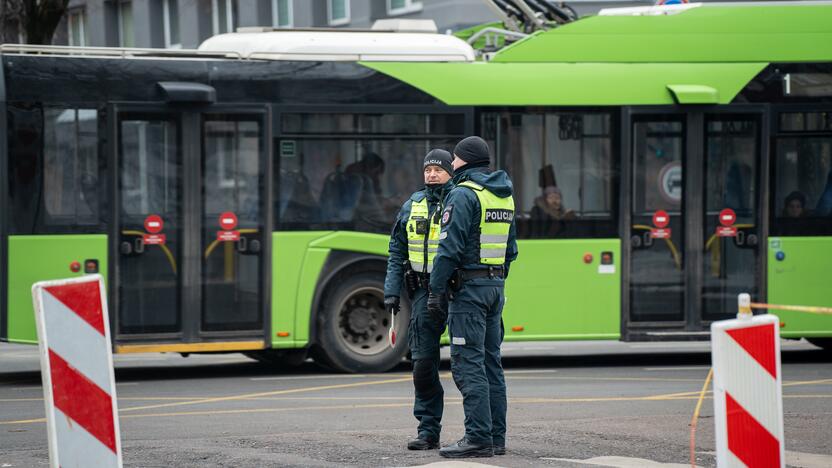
422	248
495	223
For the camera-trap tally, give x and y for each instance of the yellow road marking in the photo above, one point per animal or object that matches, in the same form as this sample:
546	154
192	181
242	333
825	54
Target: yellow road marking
408	404
623	379
264	394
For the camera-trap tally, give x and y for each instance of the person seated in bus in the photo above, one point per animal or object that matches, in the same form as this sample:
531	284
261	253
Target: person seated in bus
350	196
548	216
296	204
824	206
795	205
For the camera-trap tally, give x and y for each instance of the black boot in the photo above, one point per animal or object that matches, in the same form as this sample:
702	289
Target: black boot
423	444
465	449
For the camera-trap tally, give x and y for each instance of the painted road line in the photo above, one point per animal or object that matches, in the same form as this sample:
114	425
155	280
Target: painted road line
690	368
619	462
276	392
408	404
310	377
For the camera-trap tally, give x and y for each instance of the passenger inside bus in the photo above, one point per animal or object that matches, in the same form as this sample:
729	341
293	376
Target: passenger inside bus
354	195
548	216
795	205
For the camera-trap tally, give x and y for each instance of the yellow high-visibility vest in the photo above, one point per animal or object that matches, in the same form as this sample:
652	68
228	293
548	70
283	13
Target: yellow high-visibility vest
422	236
495	223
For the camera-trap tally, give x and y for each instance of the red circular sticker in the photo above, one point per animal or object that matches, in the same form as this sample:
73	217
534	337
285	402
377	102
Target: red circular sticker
153	224
727	217
228	220
661	219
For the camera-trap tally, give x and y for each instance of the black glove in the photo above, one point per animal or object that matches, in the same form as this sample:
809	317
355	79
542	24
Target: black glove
391	303
411	282
438	307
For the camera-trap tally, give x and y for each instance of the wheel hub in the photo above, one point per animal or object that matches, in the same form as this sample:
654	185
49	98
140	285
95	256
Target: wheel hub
362	322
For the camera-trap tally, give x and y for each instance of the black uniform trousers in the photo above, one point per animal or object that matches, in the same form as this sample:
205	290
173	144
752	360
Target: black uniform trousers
476	331
423	337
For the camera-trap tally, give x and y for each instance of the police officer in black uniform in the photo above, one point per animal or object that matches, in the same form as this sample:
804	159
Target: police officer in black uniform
413	245
477	245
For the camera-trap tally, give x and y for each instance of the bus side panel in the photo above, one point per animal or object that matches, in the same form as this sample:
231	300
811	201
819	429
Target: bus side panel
553	294
292	287
801	278
39	258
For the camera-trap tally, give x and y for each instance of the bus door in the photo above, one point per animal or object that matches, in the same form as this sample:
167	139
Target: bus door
692	217
190	243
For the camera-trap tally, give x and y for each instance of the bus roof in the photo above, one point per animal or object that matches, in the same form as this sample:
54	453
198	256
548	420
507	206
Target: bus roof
341	45
758	32
698	54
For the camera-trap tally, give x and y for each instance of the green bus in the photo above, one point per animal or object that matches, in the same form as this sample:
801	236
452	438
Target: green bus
238	197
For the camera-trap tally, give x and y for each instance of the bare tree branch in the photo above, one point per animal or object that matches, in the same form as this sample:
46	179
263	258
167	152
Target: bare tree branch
36	19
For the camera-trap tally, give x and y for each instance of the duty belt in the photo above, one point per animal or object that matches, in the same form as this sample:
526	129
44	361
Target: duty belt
490	272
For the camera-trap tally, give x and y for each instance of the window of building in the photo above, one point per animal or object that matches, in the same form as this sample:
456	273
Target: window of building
126	38
339	12
76	32
354	171
282	14
170	13
563	169
54	182
224	16
403	7
802	176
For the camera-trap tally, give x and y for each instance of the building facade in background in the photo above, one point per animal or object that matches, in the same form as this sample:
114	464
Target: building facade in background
186	23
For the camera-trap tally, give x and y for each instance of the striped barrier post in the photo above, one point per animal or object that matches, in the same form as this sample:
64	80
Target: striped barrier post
77	371
748	401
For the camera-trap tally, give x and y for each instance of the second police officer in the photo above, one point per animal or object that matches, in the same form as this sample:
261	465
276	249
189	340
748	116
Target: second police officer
477	243
413	244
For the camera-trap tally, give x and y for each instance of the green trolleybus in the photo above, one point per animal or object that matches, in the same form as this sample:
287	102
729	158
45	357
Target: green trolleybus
238	197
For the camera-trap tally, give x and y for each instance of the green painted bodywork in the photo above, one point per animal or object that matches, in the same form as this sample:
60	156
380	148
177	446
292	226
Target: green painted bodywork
40	258
754	33
551	293
802	278
299	258
694	94
568	84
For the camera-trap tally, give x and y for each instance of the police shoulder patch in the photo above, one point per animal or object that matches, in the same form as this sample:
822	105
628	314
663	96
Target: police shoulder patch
446	215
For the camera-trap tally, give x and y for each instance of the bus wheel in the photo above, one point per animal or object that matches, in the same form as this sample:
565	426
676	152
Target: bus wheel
825	343
353	326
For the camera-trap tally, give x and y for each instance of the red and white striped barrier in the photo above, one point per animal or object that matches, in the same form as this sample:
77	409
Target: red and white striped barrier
748	400
77	370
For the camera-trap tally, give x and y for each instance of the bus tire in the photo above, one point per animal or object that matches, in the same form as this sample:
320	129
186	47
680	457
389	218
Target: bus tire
353	325
825	343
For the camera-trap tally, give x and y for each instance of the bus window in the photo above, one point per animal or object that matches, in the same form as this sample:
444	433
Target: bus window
54	152
802	177
563	171
353	171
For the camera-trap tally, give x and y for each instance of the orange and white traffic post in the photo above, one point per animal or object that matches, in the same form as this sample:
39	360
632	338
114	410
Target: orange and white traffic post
77	370
748	399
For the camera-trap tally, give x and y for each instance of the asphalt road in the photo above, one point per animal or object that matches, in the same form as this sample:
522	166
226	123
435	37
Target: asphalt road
570	404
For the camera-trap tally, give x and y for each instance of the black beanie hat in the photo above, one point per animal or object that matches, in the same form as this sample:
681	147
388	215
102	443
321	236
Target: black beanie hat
473	149
441	158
